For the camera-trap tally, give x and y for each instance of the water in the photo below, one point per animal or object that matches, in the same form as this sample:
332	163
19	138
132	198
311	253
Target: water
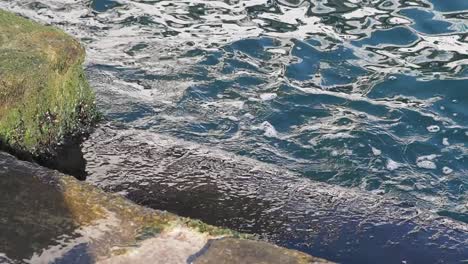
370	95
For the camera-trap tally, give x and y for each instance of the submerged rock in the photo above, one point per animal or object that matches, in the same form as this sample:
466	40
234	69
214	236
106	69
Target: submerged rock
229	250
44	96
341	224
48	217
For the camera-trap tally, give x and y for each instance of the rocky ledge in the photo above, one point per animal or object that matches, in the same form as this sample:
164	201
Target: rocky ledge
48	217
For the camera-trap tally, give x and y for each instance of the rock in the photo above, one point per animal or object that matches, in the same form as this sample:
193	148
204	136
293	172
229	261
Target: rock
44	95
46	217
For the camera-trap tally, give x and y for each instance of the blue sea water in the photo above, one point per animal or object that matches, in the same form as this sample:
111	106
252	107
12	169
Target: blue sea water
367	94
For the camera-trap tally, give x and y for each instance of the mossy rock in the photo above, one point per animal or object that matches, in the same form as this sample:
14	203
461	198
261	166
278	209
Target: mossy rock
44	95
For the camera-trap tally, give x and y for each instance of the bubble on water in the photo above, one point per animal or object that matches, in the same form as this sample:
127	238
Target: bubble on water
442	108
392	165
447	170
334	153
268	96
376	152
433	129
445	142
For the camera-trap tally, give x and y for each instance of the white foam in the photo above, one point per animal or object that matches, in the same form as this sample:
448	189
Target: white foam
268	96
426	162
278	51
392	165
313	142
225	104
337	135
362	12
269	130
445	142
376	152
428	157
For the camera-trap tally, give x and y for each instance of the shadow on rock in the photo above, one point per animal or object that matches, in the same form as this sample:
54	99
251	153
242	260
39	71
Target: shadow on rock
33	213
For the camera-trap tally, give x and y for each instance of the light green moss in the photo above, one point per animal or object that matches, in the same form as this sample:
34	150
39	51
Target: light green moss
213	230
88	204
44	94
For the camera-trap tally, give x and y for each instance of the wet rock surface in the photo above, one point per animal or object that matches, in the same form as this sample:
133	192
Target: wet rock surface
45	99
48	217
344	225
223	251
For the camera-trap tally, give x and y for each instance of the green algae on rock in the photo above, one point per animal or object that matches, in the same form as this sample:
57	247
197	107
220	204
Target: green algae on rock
44	95
66	220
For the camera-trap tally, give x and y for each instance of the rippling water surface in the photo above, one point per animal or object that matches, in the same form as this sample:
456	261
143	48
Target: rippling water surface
371	94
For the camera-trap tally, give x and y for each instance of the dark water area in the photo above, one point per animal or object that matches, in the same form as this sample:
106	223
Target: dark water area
368	95
103	5
66	156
